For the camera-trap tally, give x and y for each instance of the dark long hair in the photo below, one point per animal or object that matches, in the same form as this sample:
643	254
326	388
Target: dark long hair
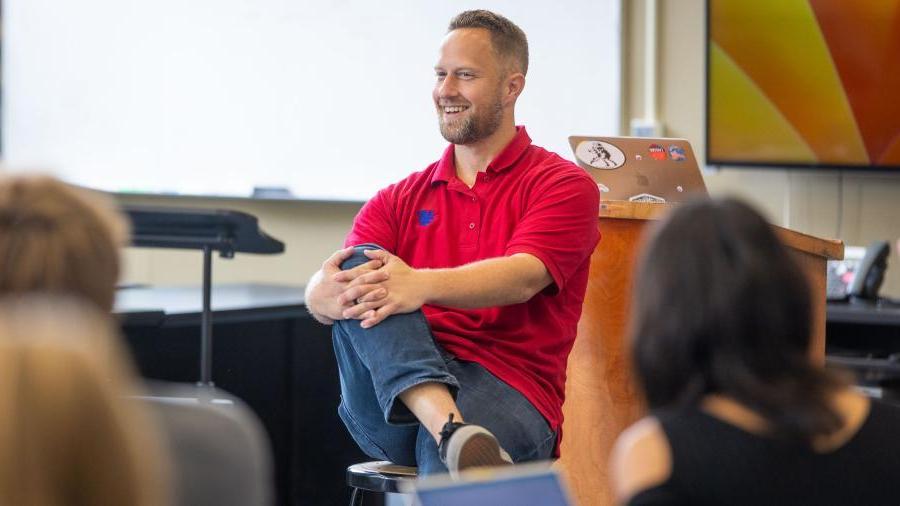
721	307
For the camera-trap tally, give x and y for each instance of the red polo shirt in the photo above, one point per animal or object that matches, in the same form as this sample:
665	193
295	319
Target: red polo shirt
529	200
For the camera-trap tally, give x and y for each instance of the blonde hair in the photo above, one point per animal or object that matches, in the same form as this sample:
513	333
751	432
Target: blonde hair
68	436
56	238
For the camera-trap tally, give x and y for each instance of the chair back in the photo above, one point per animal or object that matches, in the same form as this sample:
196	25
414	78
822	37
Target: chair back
220	453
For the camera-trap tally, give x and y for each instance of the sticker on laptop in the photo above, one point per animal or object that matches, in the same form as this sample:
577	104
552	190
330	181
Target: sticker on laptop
657	152
646	197
603	187
600	155
676	153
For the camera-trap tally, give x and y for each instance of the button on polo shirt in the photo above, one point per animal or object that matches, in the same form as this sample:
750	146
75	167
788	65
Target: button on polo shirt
528	200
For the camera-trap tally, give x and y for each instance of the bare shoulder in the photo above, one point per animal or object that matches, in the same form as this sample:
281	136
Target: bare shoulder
641	459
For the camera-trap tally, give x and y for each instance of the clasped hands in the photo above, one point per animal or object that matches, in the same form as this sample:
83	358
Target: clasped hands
372	291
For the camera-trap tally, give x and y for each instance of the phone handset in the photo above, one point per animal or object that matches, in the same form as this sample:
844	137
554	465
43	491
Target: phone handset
870	273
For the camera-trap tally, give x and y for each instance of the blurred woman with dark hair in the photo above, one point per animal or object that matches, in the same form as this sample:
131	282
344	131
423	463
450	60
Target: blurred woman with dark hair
741	414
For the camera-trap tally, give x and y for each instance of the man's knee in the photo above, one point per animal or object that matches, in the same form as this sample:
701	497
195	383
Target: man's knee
358	257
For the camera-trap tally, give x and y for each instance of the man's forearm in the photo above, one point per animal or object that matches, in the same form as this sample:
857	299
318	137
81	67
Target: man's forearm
401	289
487	283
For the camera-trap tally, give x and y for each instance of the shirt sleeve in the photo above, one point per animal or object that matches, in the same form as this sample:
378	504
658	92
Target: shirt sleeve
560	225
375	223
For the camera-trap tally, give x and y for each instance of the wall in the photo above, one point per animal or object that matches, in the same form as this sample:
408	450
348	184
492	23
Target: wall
310	230
859	209
856	208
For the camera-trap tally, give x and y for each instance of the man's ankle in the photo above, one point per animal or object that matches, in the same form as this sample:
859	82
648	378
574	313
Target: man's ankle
430	402
438	425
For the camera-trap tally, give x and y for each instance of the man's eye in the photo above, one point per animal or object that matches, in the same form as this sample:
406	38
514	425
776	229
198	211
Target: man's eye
466	75
440	75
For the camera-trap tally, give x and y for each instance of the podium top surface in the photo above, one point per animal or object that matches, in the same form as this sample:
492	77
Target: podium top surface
830	249
222	230
634	210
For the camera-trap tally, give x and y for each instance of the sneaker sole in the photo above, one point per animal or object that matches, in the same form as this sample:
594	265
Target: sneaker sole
473	446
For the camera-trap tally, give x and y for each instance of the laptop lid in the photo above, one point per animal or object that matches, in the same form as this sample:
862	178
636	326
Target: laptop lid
639	168
520	485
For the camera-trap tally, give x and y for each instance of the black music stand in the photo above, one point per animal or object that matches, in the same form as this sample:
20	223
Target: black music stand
227	232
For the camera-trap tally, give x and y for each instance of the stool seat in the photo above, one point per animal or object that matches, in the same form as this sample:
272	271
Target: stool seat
379	476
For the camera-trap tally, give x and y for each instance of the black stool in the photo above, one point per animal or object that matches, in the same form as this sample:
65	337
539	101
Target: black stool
378	477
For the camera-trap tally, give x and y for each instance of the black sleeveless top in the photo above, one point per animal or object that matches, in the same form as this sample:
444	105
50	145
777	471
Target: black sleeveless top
714	462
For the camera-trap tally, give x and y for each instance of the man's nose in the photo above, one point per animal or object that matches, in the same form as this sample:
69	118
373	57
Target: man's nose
447	87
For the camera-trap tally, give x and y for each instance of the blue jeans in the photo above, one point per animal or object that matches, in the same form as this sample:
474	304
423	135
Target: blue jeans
378	363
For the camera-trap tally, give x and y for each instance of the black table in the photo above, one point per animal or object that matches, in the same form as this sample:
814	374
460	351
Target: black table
866	339
267	351
883	313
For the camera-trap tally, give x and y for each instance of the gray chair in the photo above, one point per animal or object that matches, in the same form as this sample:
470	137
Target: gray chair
220	453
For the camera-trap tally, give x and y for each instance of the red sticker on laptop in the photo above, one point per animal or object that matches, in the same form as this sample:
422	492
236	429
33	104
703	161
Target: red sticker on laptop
657	152
600	154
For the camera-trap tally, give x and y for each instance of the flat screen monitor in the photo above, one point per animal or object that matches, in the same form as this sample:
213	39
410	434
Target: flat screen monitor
804	83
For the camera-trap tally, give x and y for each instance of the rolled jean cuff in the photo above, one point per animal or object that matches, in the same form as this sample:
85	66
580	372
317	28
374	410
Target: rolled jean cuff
396	413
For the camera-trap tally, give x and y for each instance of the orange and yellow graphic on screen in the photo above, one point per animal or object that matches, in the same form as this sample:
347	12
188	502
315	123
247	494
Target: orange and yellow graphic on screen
805	82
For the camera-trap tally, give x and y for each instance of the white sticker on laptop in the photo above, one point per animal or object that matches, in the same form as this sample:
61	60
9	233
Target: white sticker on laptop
647	197
600	155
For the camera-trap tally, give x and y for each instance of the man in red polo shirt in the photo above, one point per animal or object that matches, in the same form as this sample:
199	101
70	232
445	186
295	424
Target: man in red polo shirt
456	302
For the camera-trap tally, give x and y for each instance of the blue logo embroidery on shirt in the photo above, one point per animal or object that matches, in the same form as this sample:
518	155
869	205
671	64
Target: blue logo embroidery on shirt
426	216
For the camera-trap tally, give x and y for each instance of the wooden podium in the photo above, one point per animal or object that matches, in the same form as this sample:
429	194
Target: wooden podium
601	398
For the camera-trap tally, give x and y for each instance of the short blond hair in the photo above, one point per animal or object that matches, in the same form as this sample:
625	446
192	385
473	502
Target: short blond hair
68	435
57	238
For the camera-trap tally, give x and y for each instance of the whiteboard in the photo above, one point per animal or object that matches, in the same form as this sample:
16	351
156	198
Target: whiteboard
330	100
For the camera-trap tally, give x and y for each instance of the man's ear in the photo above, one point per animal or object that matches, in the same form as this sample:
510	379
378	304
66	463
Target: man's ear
515	83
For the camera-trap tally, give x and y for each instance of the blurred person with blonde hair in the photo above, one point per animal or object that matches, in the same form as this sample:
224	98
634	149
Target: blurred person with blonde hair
68	436
57	239
60	239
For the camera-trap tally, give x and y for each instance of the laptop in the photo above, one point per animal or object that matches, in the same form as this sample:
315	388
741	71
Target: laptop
640	169
520	485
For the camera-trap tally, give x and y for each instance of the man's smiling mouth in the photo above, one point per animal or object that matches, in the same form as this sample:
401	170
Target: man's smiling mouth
453	109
